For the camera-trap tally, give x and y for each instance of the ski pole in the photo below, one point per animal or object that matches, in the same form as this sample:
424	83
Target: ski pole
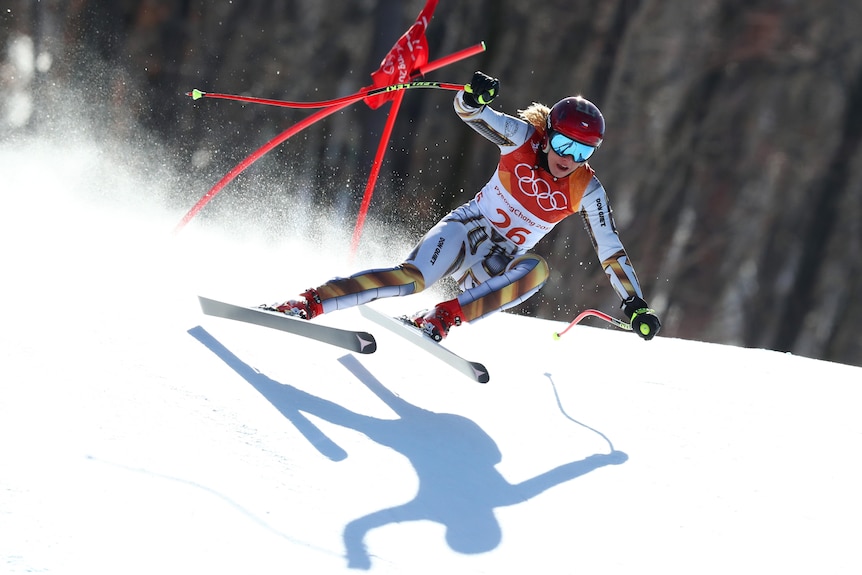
198	94
362	94
595	313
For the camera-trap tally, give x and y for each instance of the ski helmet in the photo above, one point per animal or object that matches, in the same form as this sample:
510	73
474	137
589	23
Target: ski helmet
579	119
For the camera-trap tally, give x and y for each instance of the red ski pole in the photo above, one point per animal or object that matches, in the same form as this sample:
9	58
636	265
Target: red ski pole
595	313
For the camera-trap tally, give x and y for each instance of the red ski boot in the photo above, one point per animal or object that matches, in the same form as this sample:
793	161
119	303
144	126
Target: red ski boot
437	322
306	308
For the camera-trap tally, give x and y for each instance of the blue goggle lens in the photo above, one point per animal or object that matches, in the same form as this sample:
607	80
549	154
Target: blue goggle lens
565	146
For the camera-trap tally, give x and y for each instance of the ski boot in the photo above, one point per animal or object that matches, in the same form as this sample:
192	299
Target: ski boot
437	322
307	307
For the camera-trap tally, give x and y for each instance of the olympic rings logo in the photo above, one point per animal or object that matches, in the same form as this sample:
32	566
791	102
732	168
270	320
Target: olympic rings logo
547	199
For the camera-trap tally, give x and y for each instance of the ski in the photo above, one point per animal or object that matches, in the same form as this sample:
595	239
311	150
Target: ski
474	370
357	341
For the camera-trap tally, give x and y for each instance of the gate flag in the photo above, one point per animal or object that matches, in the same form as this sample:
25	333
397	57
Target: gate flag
404	60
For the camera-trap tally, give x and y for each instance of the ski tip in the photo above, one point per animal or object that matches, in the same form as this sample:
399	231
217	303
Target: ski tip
367	343
480	372
196	94
556	336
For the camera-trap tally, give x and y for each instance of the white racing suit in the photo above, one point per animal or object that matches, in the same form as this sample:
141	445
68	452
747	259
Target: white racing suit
484	244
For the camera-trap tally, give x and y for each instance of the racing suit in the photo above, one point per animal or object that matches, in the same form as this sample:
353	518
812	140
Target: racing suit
485	244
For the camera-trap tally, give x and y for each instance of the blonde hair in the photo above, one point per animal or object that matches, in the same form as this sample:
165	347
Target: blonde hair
536	115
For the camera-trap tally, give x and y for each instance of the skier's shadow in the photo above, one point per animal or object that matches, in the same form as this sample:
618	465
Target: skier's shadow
459	485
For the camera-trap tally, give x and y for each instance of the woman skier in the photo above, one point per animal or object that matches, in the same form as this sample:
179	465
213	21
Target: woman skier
543	177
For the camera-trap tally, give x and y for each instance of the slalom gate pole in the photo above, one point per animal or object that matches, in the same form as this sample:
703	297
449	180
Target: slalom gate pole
387	132
239	168
451	59
375	171
594	313
328	107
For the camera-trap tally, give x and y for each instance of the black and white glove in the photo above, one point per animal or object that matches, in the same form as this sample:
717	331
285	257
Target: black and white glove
481	90
644	320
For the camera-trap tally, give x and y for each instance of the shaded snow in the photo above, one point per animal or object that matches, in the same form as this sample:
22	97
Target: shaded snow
140	436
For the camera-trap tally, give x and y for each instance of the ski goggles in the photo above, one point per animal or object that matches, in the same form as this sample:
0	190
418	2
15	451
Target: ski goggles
565	146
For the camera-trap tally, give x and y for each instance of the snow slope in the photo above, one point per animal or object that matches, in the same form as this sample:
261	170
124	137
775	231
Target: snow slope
139	436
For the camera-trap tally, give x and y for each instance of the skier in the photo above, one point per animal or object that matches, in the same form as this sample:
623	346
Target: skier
543	177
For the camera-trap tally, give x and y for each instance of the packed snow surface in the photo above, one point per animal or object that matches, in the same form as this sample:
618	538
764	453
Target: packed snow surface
139	436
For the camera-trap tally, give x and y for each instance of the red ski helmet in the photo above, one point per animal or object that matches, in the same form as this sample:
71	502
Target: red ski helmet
579	119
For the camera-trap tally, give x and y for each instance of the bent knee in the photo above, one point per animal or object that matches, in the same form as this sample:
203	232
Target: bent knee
531	265
410	274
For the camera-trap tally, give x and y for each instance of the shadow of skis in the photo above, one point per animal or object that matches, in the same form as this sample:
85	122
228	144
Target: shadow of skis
278	395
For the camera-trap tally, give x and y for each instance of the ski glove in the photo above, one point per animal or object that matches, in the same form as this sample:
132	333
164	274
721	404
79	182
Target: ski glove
481	90
644	320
